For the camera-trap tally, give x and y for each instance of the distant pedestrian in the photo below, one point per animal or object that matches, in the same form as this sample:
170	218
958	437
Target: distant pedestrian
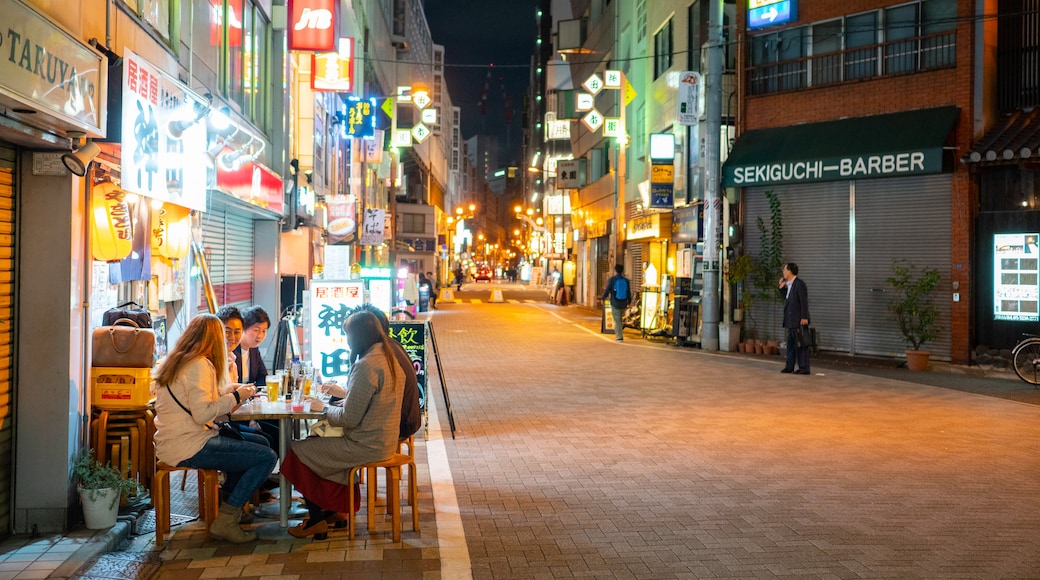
458	278
796	317
619	291
434	289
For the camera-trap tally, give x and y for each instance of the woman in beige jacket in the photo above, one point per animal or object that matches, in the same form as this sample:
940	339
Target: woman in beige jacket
188	398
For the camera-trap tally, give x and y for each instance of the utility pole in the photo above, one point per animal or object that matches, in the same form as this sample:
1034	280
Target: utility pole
712	202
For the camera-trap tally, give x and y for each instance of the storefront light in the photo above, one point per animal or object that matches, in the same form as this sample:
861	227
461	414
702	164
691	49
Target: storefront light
112	233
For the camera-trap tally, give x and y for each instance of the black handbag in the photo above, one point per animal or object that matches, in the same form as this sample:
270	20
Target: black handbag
806	337
139	316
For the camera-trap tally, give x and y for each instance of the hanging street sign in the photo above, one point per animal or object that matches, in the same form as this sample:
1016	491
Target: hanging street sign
420	132
429	116
613	127
593	120
593	84
612	79
584	102
402	138
421	100
690	87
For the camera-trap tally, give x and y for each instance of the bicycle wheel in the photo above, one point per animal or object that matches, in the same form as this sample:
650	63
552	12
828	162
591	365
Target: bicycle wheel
1027	361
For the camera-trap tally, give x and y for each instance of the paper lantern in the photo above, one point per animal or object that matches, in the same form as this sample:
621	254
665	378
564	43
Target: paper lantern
171	232
112	233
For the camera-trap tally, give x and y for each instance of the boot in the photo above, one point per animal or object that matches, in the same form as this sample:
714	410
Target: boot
226	526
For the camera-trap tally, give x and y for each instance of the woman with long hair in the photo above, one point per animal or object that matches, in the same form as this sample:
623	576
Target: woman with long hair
188	398
370	418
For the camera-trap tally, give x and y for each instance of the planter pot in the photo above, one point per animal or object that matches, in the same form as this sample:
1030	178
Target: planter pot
772	347
738	315
729	336
917	360
760	347
740	347
100	507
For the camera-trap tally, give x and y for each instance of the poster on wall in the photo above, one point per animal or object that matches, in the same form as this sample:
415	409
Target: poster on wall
1016	270
331	303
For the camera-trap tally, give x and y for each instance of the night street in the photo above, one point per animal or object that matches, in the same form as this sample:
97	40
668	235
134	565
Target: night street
576	456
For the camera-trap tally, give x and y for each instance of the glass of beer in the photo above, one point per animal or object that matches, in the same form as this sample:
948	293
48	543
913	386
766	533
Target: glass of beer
274	387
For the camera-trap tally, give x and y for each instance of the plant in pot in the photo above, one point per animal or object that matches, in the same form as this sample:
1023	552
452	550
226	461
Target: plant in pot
911	305
100	487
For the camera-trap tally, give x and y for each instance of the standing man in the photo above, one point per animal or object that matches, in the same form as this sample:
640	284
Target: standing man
796	315
620	293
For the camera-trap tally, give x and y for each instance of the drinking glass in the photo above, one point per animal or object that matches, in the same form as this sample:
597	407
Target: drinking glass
297	401
274	385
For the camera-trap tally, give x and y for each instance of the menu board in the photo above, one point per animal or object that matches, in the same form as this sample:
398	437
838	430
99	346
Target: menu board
331	303
412	336
1016	270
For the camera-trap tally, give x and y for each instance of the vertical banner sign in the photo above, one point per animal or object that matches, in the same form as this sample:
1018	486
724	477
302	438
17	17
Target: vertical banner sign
374	224
412	336
690	87
361	118
662	179
163	144
334	71
312	25
331	303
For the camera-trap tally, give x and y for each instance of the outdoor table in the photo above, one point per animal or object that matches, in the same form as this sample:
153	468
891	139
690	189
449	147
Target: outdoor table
281	410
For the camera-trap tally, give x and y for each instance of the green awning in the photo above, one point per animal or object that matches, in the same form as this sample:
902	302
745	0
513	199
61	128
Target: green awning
896	144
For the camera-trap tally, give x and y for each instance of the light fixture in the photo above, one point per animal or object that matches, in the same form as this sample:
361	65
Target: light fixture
177	127
81	156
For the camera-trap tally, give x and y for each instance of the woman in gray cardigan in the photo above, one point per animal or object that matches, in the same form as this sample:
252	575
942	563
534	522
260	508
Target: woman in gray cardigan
319	467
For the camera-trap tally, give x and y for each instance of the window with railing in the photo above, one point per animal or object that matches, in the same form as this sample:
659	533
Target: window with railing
904	39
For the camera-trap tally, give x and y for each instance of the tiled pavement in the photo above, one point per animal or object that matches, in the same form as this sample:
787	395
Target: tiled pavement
579	457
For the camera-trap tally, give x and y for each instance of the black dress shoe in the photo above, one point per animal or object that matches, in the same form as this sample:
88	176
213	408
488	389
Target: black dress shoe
801	372
786	371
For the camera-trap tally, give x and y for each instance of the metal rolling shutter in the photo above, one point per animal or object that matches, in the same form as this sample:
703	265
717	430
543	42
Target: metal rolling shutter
635	270
7	157
816	237
904	217
228	237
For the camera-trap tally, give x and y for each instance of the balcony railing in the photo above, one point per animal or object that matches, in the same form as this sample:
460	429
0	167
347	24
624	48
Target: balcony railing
910	55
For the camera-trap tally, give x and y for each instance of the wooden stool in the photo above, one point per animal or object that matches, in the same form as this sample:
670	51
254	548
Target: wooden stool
413	478
209	499
393	494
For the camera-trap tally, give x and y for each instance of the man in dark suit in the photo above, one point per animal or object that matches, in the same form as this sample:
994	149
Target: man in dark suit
255	323
796	315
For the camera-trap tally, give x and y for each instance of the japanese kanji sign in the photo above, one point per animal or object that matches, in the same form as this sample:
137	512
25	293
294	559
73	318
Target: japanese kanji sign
331	303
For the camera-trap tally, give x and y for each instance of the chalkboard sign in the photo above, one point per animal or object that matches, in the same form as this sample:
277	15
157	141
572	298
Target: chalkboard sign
412	336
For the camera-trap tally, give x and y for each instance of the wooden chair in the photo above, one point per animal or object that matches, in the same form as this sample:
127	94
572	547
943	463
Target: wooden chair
209	500
393	494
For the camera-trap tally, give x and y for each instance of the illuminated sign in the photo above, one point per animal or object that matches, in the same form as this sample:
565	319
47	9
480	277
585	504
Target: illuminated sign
1016	277
644	227
593	120
558	130
593	84
361	118
312	25
50	71
613	127
252	183
163	148
331	303
762	13
334	71
374	272
584	102
612	79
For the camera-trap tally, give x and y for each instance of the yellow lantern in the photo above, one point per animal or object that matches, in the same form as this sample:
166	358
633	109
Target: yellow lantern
178	232
171	232
112	233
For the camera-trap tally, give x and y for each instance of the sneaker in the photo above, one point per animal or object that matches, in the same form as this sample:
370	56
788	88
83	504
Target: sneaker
619	340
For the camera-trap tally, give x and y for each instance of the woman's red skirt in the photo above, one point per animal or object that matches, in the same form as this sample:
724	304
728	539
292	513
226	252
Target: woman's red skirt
329	495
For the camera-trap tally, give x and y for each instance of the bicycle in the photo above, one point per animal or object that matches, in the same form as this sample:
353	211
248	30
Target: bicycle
1026	359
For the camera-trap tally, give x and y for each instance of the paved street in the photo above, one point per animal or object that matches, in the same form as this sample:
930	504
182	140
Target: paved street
576	456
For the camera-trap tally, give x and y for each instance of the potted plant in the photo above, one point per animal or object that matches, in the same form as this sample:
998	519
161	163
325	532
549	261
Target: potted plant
100	487
914	311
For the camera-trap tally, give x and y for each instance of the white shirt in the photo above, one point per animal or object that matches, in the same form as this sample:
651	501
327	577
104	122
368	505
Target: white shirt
245	365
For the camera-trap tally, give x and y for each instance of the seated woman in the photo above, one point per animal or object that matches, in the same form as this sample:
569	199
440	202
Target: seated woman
187	400
370	417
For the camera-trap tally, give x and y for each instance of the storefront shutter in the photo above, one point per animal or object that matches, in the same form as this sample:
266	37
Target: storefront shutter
815	220
228	237
635	270
899	217
7	252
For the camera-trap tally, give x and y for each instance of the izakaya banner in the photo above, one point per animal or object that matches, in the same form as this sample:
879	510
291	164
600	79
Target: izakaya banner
163	147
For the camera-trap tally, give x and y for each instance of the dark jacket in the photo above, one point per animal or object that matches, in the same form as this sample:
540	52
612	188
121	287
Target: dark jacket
257	369
411	414
609	292
796	305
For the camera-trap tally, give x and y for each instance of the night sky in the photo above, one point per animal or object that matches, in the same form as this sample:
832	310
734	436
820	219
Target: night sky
476	34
